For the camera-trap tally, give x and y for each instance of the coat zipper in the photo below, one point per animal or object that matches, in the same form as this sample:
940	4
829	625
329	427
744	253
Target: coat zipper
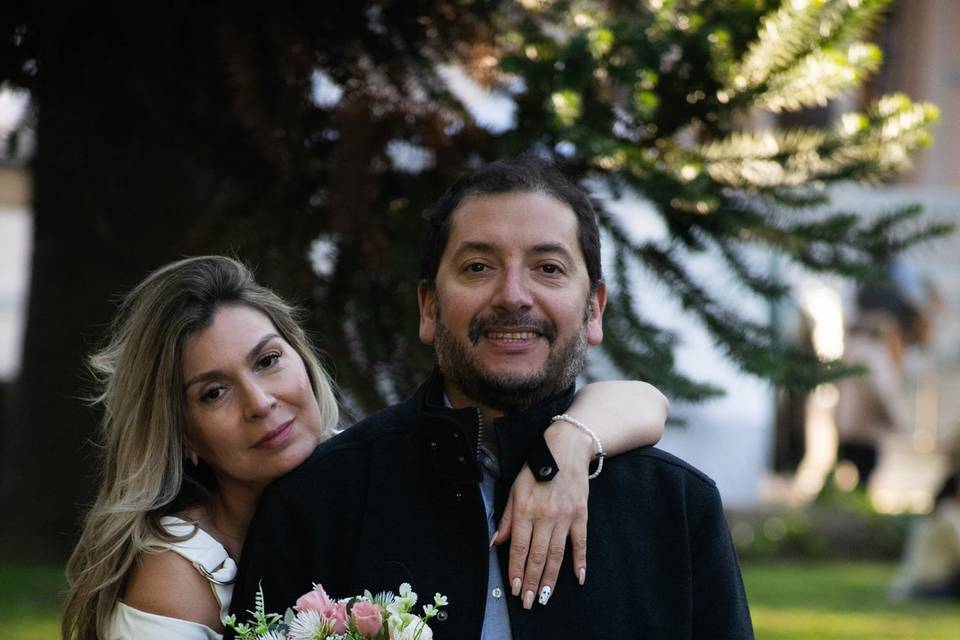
479	432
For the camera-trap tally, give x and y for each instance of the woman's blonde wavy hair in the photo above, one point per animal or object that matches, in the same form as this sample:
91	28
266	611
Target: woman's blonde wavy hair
143	432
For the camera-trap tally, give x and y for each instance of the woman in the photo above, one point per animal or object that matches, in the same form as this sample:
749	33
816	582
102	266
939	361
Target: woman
198	353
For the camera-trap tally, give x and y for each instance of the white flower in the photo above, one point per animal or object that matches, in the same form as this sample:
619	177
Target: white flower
408	626
272	635
404	602
308	625
431	610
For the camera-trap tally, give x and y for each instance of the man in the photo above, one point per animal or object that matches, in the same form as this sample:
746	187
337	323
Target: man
510	299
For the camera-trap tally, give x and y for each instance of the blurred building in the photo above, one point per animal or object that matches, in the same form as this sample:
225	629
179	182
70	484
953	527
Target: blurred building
922	59
15	230
16	146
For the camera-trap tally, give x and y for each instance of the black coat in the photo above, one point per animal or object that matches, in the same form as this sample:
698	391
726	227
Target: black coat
396	498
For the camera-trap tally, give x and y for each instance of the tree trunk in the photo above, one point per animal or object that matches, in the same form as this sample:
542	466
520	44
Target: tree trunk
118	190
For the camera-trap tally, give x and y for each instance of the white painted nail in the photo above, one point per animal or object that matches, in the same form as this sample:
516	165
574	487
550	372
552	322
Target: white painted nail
545	595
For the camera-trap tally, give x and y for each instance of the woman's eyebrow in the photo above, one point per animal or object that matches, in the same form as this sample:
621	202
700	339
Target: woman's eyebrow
218	373
252	354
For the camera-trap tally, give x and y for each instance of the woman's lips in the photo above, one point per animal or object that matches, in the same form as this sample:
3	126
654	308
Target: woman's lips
275	437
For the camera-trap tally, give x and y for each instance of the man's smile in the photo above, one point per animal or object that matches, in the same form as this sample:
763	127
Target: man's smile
516	336
517	327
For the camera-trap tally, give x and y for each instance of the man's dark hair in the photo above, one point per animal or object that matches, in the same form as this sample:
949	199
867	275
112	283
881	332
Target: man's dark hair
521	174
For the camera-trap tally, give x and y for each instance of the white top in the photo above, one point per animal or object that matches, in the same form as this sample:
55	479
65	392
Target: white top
210	559
870	406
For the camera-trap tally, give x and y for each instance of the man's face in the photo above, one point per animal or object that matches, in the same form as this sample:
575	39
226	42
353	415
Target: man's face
511	313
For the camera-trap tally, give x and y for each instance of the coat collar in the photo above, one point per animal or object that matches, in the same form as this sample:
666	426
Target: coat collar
451	435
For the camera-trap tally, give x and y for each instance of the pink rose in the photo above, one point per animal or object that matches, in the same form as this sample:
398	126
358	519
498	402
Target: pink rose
334	613
367	618
336	617
316	600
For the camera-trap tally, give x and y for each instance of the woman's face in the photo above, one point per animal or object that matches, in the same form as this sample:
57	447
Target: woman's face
249	405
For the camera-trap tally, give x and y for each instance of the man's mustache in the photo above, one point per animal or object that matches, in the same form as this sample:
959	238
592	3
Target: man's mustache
481	324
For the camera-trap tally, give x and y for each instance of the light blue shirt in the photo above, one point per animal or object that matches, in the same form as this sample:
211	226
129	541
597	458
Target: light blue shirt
496	618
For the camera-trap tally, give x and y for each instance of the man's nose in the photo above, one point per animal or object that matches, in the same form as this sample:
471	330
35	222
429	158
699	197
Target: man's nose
257	400
513	291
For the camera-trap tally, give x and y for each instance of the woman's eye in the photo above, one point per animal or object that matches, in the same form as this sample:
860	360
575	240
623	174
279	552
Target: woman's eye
213	393
268	360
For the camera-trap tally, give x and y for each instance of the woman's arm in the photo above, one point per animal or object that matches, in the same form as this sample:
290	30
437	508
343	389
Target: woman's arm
167	584
540	515
625	414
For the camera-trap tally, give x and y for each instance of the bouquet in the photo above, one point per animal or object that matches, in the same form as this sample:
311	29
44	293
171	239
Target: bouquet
384	616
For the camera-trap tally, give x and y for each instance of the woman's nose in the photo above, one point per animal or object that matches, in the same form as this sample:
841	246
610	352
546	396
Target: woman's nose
258	401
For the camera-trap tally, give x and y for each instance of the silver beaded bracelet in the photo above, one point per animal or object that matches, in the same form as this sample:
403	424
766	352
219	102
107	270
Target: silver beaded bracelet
596	441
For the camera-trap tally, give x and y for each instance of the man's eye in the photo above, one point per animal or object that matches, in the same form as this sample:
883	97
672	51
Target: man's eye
476	267
551	269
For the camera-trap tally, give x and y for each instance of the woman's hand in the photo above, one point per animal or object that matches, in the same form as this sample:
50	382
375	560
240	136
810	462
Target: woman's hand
539	516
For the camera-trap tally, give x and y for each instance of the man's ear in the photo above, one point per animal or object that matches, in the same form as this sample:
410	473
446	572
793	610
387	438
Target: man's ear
427	300
598	302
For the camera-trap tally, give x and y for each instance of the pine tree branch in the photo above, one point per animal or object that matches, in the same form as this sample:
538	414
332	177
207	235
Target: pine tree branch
819	77
797	29
752	346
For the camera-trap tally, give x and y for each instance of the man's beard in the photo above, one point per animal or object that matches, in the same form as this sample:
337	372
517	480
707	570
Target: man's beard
508	392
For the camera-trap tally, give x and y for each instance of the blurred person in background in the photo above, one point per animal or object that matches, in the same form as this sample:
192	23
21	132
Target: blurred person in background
892	316
931	561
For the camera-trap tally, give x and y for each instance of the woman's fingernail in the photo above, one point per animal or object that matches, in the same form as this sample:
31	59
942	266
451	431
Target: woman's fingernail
583	575
515	586
492	539
545	595
528	600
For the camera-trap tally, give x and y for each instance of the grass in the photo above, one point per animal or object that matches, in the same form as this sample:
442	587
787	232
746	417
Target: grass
789	601
30	599
830	601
